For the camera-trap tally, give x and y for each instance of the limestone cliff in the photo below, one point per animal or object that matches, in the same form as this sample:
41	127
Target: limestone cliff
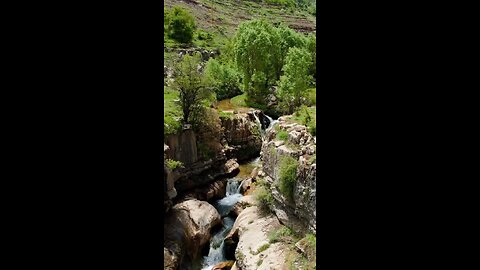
300	211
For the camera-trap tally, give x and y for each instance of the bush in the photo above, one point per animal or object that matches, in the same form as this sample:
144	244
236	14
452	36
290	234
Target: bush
262	248
225	115
288	173
179	24
284	234
282	135
204	35
172	113
173	164
264	197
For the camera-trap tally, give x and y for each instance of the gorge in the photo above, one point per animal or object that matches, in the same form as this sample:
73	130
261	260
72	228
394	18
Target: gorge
214	217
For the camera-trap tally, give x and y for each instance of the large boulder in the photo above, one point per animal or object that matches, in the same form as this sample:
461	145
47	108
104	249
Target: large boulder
243	135
250	234
187	229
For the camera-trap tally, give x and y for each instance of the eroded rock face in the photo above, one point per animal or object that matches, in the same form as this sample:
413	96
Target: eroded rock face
254	251
183	147
301	146
203	173
212	191
242	134
244	202
186	230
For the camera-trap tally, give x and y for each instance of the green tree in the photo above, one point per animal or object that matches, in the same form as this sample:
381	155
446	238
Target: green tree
257	51
179	24
191	84
224	79
294	83
288	39
311	46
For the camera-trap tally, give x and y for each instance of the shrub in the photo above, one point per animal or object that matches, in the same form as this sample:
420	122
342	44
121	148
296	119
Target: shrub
204	35
179	24
264	197
262	248
288	171
311	246
174	164
282	135
282	235
225	115
172	113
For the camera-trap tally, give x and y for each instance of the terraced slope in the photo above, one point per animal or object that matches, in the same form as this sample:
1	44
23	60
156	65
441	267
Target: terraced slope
221	17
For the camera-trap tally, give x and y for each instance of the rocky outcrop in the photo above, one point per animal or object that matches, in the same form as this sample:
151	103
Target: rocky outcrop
244	202
301	211
212	191
253	250
183	147
205	172
205	54
186	230
243	135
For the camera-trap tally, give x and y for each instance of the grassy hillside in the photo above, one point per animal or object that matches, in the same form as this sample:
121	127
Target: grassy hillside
220	18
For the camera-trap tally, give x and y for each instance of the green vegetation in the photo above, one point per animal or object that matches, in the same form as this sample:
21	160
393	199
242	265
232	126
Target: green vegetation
306	116
262	248
294	82
282	135
266	56
284	234
257	47
288	171
225	115
260	56
239	100
172	113
192	87
224	79
311	245
264	197
179	24
174	164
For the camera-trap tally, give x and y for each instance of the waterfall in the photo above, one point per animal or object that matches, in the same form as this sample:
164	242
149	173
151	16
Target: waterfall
232	186
257	119
240	186
216	254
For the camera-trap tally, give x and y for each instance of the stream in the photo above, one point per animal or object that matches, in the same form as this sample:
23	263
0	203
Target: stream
216	253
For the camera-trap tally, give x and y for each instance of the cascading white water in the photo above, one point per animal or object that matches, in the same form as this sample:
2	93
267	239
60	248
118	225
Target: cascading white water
216	253
232	186
270	124
240	186
257	119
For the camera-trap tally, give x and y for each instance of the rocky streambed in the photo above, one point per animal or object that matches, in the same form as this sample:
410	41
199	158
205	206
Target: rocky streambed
214	222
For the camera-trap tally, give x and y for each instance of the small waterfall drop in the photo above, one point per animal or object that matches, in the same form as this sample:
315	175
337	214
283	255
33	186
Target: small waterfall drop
216	253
